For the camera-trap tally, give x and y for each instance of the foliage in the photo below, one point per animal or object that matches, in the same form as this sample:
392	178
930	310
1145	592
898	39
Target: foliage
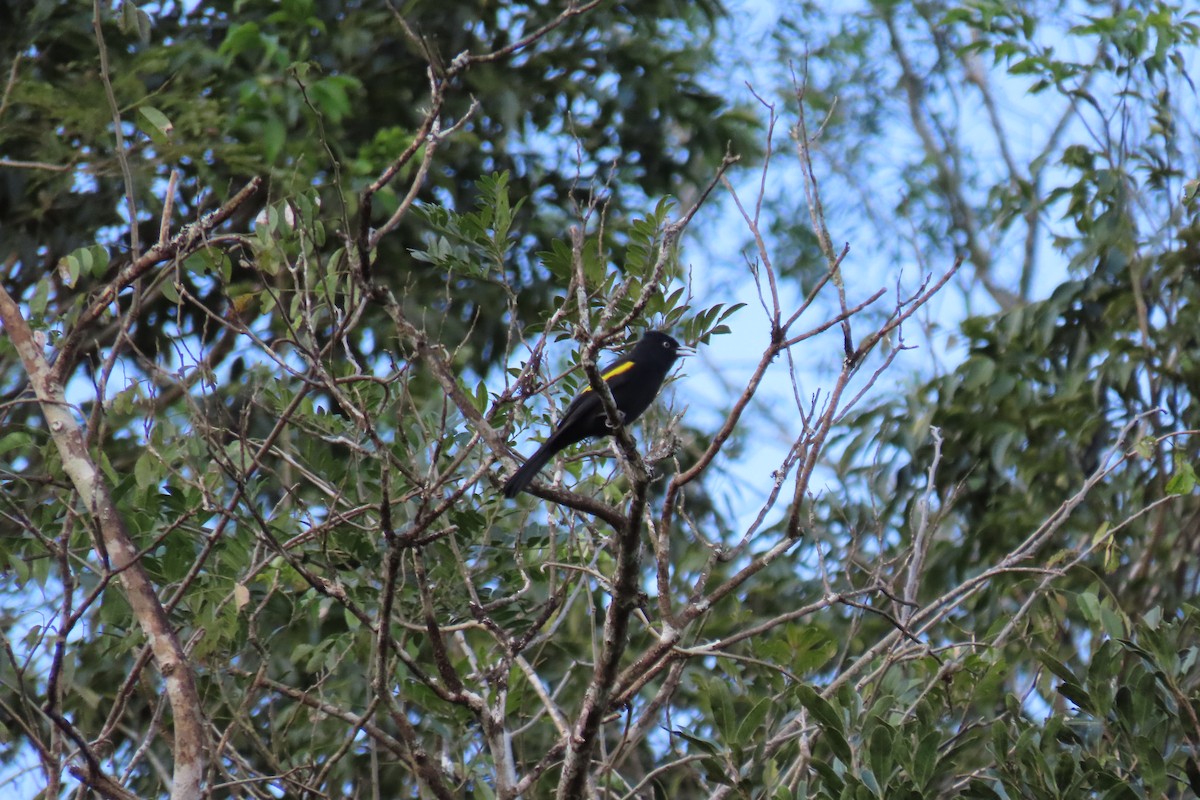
376	248
1081	399
324	94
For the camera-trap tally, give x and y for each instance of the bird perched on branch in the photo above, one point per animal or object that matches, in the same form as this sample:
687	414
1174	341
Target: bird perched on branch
634	381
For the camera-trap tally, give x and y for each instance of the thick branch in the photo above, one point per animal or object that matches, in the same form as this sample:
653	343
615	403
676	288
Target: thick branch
616	632
89	482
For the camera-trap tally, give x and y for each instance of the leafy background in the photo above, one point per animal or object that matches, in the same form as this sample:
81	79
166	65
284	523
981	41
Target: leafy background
946	548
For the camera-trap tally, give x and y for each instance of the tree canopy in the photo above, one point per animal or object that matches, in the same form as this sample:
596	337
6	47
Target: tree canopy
289	286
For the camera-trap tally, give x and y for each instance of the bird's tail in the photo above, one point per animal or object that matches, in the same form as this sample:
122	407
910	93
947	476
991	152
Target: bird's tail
529	470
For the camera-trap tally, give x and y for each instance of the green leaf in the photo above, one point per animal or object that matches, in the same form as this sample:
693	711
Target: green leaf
40	298
881	750
1146	446
828	774
925	758
1190	190
819	707
69	268
274	136
828	719
1077	695
812	647
721	702
143	26
1183	481
99	256
977	372
705	744
752	721
1057	667
243	37
147	470
158	120
14	441
128	20
978	790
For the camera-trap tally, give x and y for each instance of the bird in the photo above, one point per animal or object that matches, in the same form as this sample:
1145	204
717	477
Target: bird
634	381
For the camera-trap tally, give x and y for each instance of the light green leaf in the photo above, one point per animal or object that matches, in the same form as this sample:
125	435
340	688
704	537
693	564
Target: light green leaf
157	119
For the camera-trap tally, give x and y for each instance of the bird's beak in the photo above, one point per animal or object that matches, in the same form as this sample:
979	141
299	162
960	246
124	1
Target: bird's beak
685	351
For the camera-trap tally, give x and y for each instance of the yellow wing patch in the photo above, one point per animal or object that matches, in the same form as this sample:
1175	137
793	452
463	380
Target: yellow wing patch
612	373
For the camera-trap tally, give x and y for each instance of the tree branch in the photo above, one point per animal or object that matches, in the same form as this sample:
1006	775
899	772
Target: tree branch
189	733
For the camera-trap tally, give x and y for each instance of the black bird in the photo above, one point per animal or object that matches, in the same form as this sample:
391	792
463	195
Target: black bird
634	380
